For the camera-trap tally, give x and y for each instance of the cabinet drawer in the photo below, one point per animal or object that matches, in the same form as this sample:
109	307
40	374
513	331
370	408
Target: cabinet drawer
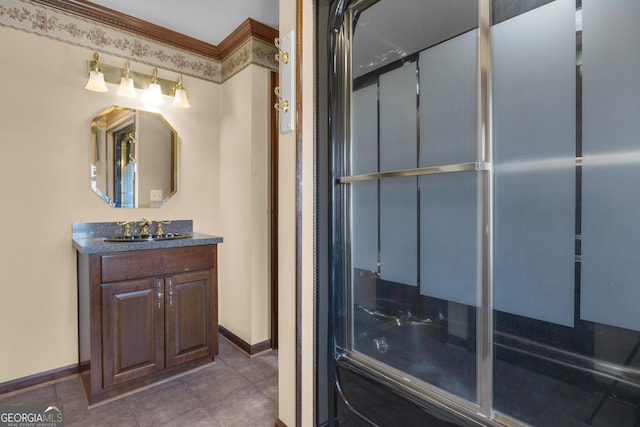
156	262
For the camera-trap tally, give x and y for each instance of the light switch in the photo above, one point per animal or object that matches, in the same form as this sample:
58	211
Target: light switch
155	196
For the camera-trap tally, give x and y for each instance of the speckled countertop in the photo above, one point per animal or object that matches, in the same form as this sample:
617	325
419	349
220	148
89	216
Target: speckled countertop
88	237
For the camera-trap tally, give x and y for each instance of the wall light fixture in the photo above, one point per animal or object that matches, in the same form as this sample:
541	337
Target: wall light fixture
153	88
180	99
153	94
96	78
126	83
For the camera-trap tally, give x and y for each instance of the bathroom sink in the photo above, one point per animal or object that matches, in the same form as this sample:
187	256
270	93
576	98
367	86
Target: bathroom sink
148	238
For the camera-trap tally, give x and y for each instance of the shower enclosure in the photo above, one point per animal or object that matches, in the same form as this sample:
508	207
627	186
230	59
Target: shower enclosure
484	266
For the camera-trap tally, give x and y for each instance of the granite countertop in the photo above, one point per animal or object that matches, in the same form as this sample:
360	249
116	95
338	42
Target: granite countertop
88	238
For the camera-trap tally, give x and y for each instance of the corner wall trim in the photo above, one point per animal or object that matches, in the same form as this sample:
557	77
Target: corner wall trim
279	423
38	379
249	349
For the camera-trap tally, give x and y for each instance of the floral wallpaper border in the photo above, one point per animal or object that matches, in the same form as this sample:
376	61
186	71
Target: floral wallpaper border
253	51
64	27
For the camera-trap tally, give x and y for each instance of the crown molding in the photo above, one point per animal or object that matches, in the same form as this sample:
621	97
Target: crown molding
133	25
250	28
85	24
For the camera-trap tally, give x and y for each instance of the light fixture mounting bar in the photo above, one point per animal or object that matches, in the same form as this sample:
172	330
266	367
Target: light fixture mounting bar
113	74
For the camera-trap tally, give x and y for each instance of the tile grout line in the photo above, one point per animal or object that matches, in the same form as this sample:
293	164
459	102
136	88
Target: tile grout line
132	411
246	369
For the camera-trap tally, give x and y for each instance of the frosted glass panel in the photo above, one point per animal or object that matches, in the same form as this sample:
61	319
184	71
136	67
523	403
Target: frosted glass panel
610	292
448	237
448	112
398	196
399	230
534	151
364	195
448	203
364	128
398	123
364	225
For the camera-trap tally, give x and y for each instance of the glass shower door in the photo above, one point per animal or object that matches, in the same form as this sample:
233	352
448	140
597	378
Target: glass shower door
565	140
485	211
412	186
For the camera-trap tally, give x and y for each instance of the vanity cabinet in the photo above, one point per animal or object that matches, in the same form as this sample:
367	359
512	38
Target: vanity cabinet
145	315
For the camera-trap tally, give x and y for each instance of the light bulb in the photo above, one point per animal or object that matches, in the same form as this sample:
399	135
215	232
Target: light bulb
126	88
180	100
96	78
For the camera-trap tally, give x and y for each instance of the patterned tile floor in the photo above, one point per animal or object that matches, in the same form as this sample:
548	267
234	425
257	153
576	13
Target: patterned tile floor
235	390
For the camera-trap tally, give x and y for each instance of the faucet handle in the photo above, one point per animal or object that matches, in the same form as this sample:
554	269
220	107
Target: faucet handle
159	229
127	227
144	226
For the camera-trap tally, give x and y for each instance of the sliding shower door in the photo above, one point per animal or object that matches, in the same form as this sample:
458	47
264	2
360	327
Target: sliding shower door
485	161
412	191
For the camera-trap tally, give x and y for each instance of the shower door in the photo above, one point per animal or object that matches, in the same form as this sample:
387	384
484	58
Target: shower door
412	193
484	256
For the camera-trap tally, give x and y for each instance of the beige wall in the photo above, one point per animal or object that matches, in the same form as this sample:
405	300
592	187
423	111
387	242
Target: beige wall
244	208
308	242
287	237
44	171
287	254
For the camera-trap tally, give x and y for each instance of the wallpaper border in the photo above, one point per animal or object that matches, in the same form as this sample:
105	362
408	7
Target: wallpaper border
68	28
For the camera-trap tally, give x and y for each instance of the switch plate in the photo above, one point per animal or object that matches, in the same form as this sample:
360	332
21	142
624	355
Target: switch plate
155	195
288	83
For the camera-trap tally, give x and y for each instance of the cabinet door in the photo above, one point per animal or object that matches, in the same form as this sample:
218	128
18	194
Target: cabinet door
133	319
188	319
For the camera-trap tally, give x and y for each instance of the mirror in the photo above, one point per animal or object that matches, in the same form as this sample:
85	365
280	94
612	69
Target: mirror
133	158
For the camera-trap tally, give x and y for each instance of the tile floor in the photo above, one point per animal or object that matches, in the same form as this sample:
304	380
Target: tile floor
235	390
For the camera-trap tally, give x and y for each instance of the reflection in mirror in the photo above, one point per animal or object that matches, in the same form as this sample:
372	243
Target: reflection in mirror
133	158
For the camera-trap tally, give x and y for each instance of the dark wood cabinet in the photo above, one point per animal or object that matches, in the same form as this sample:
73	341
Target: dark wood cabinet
186	327
132	331
145	315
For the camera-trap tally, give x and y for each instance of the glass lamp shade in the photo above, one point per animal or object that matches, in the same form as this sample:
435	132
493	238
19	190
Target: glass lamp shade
126	88
96	82
153	95
180	100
